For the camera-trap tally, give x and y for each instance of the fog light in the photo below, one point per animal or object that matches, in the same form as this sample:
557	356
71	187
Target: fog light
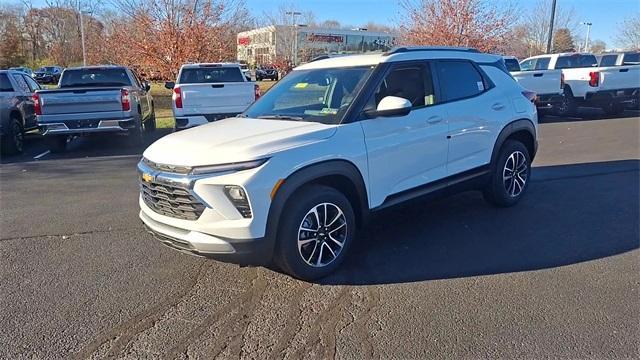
238	198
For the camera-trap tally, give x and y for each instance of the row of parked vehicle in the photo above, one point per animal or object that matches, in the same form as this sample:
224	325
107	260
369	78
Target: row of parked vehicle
564	82
44	75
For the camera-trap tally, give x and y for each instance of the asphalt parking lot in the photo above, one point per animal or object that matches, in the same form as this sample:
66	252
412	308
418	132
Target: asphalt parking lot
558	276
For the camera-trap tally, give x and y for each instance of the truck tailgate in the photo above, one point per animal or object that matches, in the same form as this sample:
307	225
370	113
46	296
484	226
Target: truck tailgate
75	101
619	77
540	81
215	98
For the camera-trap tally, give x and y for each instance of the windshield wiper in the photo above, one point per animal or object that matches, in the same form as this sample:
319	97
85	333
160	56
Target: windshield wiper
281	117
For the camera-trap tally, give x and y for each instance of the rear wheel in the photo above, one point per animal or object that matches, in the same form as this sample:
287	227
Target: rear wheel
509	175
57	143
566	107
150	124
316	232
136	134
13	139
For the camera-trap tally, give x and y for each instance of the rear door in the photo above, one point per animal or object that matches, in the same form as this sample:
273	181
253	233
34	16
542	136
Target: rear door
214	90
475	109
30	114
23	95
407	151
540	81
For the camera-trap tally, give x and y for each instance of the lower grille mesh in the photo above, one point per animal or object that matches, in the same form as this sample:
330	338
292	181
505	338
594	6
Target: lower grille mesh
171	201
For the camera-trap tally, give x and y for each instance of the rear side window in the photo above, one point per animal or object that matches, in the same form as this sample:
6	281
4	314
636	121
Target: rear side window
5	84
576	61
459	80
95	77
22	84
542	63
631	59
211	75
608	60
33	85
512	65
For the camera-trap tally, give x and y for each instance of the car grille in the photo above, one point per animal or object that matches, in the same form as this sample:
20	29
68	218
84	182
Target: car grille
171	201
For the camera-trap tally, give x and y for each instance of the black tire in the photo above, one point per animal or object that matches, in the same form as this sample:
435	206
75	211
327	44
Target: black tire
568	105
150	124
296	215
613	109
13	139
57	143
136	136
504	191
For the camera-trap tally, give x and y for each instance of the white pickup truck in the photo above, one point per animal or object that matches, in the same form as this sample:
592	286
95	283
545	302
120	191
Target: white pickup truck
533	75
208	92
586	84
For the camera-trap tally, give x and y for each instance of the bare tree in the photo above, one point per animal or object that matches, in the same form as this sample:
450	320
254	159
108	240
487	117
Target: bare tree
598	46
536	23
628	35
476	23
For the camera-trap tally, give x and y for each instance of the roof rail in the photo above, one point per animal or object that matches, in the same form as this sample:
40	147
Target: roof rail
405	49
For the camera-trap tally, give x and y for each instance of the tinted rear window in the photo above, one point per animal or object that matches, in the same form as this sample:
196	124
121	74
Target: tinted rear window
459	79
631	59
608	60
95	78
205	75
512	64
576	61
5	85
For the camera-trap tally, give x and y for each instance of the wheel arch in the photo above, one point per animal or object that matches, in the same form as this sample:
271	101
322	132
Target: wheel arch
522	130
342	175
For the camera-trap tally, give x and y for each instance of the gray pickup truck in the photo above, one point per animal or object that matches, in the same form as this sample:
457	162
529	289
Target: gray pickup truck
17	113
95	99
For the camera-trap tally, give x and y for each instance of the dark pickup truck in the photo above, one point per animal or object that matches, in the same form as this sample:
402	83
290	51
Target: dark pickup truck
17	113
95	99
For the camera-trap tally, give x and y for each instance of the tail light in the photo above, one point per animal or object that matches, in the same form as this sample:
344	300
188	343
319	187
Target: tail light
530	95
36	103
177	97
256	91
125	100
561	81
594	78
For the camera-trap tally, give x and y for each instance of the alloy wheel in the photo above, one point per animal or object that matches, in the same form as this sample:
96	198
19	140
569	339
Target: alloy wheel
515	173
322	234
18	137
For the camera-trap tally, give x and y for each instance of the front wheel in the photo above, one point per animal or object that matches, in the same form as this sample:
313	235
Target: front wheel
613	109
510	175
316	232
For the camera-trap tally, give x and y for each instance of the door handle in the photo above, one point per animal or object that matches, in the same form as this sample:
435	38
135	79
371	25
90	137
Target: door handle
538	75
624	70
434	119
497	106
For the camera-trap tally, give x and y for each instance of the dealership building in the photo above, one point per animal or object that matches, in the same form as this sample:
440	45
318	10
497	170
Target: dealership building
269	44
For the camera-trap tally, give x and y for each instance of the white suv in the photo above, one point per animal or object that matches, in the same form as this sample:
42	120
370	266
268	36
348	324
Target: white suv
298	174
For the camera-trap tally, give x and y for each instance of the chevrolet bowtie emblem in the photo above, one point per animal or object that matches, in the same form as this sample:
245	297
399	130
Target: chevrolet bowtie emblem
147	177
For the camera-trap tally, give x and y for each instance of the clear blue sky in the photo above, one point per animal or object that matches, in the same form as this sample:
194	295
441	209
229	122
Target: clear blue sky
604	14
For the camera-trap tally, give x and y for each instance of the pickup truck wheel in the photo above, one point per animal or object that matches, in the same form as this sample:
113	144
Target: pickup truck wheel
316	232
509	175
150	125
567	106
13	140
57	143
613	109
136	134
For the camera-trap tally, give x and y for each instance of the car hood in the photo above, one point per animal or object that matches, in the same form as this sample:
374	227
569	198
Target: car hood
234	140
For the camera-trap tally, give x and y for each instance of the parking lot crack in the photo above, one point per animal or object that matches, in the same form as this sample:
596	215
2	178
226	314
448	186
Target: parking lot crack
63	236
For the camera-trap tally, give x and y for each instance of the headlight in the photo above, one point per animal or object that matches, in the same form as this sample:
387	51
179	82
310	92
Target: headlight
238	198
246	165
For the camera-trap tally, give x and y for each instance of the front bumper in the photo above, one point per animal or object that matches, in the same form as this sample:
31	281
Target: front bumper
242	252
85	127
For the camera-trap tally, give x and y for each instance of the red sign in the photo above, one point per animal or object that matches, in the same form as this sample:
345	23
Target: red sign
244	41
325	38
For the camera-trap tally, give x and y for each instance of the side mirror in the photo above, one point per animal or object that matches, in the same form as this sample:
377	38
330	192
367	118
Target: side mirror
146	86
169	85
391	106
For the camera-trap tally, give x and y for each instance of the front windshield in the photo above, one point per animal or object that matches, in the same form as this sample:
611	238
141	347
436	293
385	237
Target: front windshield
318	95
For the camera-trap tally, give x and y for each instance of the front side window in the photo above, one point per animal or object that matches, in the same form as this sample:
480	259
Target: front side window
527	65
95	77
459	80
318	95
608	60
204	75
411	81
631	59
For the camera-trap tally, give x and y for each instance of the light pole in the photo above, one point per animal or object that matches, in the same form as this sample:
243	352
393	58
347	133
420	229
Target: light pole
84	51
586	40
553	16
294	43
